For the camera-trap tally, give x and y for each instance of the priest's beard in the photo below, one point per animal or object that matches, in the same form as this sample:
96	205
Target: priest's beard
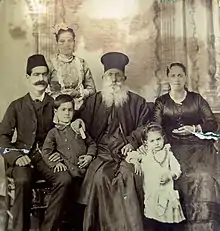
117	94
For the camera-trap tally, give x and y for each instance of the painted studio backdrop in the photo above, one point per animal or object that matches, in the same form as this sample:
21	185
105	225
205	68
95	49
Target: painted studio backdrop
152	33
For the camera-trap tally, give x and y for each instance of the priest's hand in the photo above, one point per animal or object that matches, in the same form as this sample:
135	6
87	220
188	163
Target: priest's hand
84	161
127	148
142	149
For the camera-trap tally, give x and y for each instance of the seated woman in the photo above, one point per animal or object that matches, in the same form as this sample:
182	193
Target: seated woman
69	74
181	112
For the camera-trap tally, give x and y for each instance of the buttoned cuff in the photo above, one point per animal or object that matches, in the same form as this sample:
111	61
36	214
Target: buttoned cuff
92	155
92	150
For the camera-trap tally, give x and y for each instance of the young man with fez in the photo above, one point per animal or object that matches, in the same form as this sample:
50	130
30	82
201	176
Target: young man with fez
32	117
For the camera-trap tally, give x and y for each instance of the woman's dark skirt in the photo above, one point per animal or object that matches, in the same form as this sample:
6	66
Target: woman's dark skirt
199	186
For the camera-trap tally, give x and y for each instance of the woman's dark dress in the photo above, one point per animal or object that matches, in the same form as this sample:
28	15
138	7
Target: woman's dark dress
199	184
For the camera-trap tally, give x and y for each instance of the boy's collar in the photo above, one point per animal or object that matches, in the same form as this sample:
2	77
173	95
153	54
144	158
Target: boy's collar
61	126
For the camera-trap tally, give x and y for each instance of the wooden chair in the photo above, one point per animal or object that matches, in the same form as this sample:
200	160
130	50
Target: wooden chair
41	193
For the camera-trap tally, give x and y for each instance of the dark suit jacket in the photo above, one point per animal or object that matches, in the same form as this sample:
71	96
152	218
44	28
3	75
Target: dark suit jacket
21	116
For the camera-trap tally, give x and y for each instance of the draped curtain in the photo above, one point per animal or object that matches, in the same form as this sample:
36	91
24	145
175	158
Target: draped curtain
156	34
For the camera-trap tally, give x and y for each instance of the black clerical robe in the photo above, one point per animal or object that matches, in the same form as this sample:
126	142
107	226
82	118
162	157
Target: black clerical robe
111	190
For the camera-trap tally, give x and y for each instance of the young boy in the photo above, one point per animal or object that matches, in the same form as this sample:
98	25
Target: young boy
76	152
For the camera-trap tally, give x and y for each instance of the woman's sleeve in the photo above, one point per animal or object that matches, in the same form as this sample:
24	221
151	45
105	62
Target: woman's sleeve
88	82
158	111
142	115
174	165
209	122
54	85
91	145
7	129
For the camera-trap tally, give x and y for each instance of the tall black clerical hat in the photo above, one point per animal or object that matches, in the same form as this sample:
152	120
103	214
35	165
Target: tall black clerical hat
35	60
114	60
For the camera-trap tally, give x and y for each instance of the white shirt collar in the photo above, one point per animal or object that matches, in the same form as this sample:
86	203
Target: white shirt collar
41	98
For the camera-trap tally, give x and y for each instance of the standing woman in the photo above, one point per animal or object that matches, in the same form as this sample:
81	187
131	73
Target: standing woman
179	112
69	74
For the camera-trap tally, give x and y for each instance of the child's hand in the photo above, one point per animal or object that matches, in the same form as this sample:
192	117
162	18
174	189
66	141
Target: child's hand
84	161
165	178
55	157
60	167
137	166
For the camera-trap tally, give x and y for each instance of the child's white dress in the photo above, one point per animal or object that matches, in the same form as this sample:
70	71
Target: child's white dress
161	202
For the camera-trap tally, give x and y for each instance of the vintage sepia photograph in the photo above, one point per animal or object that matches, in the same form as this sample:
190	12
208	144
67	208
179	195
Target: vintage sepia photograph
110	115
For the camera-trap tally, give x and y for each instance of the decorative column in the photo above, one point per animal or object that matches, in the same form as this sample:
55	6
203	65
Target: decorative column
192	46
166	42
157	25
35	27
211	93
216	20
184	33
36	35
211	44
216	25
47	22
40	16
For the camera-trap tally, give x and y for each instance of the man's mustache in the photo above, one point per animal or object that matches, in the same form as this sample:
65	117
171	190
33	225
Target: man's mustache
41	82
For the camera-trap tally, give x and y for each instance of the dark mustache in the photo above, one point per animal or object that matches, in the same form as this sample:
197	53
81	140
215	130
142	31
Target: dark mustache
41	82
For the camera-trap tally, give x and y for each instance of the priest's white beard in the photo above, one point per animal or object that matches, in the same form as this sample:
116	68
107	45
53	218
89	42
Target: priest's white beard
117	94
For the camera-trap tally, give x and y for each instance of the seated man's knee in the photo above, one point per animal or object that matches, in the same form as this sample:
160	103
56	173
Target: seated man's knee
24	182
22	176
63	179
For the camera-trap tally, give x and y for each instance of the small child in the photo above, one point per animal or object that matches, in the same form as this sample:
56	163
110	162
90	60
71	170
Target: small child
159	168
75	151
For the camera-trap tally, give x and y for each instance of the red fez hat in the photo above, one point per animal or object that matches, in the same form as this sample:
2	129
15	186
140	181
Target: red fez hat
35	61
114	60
